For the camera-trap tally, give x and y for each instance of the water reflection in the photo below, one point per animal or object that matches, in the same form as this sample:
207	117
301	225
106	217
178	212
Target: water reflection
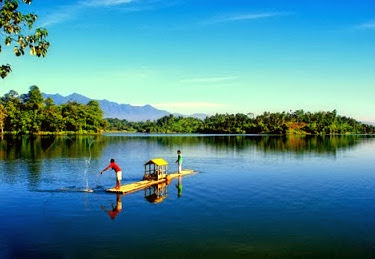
156	193
292	208
153	194
179	187
39	147
34	154
327	145
33	151
115	209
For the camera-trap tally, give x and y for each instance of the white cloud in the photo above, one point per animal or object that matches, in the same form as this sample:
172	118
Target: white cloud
99	3
60	15
193	107
367	119
242	17
367	26
67	12
208	79
189	104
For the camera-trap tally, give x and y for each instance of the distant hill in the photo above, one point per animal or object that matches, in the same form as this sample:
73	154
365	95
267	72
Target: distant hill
201	116
372	123
112	109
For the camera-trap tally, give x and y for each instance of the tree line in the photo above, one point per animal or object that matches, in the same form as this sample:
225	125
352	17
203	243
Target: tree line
297	122
32	114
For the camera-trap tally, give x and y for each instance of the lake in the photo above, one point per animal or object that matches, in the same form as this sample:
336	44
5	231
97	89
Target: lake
253	197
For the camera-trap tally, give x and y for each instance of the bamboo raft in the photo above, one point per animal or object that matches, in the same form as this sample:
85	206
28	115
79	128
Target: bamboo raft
133	187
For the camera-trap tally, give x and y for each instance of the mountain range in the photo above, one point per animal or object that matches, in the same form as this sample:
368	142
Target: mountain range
119	111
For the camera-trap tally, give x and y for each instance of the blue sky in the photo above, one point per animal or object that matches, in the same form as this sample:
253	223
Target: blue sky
191	56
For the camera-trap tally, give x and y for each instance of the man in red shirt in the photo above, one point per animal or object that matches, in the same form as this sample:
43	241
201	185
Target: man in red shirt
118	171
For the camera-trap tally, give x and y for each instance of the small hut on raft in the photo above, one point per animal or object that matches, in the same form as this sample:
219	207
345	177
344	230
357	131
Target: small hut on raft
156	169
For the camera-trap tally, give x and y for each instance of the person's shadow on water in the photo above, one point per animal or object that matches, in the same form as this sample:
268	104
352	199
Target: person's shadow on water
115	209
179	187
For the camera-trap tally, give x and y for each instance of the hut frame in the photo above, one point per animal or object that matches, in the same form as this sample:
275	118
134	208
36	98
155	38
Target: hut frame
156	169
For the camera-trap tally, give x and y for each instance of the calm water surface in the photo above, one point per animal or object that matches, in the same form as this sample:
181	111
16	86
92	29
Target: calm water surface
254	197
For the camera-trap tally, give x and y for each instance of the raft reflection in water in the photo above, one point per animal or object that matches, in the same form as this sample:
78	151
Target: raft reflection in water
156	193
153	194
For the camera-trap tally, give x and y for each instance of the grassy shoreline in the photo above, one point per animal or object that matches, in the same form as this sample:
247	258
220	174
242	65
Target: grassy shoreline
83	133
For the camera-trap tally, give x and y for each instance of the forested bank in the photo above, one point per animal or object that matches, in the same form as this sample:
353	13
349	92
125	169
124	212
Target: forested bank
32	114
297	122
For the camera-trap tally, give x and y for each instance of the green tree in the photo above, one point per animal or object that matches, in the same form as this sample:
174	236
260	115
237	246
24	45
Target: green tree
94	116
30	113
2	118
33	109
12	104
52	120
71	113
14	29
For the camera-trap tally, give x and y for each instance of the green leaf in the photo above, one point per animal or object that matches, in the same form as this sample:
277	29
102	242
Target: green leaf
14	26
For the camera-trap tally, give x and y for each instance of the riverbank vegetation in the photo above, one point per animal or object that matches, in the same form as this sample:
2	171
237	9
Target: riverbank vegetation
32	114
297	122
